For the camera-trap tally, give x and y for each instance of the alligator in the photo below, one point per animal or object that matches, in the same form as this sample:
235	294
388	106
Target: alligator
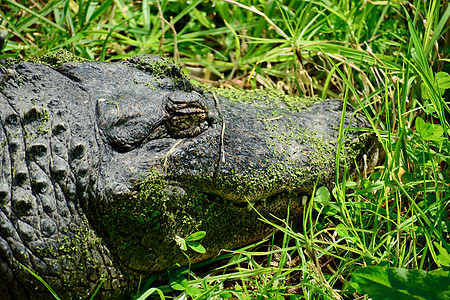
104	167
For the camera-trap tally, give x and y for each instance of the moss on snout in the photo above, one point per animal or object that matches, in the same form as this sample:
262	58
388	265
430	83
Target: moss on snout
57	58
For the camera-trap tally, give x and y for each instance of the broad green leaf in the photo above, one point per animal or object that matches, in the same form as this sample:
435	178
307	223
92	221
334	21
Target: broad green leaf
178	283
343	232
428	107
330	210
445	272
443	257
366	183
196	246
396	283
429	131
178	280
225	295
422	127
322	195
322	202
196	236
191	291
443	80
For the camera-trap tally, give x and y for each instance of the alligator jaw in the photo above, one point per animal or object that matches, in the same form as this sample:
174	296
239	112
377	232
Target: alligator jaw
243	201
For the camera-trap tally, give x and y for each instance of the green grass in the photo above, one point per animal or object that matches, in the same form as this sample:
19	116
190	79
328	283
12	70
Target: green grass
387	58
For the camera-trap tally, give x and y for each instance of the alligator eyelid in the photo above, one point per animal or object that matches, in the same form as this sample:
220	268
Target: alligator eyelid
144	140
156	126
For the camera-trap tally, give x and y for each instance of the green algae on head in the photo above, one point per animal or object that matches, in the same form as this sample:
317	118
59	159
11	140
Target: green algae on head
58	58
161	69
270	98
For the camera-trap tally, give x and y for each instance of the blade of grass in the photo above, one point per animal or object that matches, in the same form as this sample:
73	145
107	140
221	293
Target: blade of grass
254	10
186	10
14	29
54	294
31	12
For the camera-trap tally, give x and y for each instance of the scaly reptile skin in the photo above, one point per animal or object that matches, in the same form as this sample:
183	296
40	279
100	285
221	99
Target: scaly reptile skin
103	165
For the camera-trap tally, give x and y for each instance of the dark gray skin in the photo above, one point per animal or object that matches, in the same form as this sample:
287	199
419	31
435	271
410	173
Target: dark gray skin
104	165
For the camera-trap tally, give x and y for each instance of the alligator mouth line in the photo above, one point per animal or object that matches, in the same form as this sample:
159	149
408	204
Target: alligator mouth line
294	196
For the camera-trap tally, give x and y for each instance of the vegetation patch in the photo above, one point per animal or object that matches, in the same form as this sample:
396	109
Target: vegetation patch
57	58
160	212
161	69
270	98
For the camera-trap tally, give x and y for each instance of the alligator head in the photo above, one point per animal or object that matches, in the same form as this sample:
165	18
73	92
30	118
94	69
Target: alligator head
105	165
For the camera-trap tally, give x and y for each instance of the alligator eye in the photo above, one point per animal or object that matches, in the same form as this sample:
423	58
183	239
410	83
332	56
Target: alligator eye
186	114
